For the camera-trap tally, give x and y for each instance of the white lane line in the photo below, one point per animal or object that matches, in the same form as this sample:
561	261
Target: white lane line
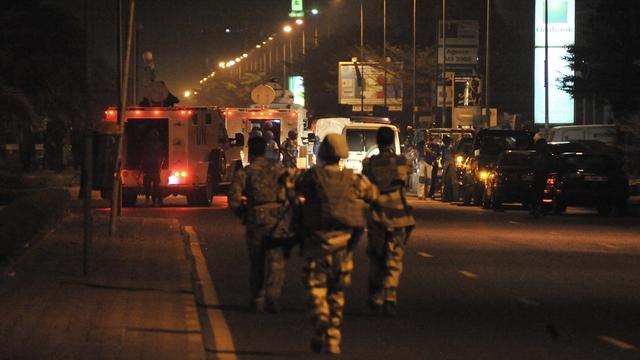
224	341
610	246
617	343
528	301
424	254
468	274
514	222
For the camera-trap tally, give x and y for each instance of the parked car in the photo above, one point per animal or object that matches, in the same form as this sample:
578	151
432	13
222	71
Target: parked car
586	180
487	146
511	180
604	133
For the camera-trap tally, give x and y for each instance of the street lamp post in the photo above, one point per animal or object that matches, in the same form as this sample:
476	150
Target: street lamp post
384	48
444	62
413	103
486	70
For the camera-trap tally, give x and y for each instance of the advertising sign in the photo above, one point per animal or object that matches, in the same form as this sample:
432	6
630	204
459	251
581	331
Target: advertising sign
561	109
562	19
296	86
460	32
365	82
561	32
459	55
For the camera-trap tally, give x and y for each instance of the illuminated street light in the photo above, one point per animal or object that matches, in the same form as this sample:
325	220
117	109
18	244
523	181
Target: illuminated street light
258	46
270	38
238	59
227	30
314	12
187	93
299	21
286	28
222	65
245	55
264	43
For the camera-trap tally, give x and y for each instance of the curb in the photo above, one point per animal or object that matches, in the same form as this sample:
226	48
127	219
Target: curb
216	335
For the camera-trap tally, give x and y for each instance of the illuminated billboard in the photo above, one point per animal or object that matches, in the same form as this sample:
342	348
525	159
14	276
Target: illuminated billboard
365	83
296	86
561	33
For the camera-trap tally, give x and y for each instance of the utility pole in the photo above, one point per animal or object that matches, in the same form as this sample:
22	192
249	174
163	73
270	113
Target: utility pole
384	49
444	63
361	56
546	65
413	104
116	199
87	172
487	105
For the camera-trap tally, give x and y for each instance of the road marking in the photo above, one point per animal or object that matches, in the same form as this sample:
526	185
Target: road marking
225	348
528	301
514	222
610	246
424	254
617	343
468	274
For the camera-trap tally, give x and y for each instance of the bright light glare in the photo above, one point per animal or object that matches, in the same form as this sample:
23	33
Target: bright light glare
258	46
187	93
227	30
287	28
299	21
270	38
238	59
245	55
314	12
222	65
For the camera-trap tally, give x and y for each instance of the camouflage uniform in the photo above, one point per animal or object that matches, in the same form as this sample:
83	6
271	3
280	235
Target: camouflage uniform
328	244
389	226
259	184
289	153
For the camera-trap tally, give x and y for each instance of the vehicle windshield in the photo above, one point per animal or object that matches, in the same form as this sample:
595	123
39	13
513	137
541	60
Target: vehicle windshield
362	139
588	163
494	144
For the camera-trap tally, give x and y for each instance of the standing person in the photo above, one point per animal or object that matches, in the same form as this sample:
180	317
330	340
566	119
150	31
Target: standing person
542	160
272	151
424	175
391	222
334	219
434	157
253	196
290	150
151	164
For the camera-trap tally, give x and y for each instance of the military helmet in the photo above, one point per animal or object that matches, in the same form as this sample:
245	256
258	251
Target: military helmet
334	146
292	134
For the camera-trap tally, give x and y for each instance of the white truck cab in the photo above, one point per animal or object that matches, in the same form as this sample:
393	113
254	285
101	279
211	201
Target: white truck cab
360	133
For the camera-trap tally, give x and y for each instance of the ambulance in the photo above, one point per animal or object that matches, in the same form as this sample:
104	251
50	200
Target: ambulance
197	156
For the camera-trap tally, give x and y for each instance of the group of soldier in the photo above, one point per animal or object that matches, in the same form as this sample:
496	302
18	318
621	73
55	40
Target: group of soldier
325	210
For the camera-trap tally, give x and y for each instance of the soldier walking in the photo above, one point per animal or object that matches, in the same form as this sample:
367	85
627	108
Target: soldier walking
289	150
255	198
334	219
390	223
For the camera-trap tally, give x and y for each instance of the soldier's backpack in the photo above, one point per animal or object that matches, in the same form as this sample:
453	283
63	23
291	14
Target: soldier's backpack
261	191
338	207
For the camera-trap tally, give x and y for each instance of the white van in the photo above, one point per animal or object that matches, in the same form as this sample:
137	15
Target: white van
607	134
360	133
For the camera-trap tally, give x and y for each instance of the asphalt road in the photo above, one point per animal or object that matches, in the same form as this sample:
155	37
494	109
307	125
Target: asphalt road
477	285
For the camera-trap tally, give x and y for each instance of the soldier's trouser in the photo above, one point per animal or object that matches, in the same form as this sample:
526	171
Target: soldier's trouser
385	251
325	279
266	268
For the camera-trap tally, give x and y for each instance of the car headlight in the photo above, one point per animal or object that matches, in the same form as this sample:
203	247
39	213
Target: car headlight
459	160
483	175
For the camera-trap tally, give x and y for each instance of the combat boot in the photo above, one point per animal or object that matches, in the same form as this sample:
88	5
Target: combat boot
389	309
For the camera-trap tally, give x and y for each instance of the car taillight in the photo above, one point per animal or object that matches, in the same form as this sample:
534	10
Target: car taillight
551	181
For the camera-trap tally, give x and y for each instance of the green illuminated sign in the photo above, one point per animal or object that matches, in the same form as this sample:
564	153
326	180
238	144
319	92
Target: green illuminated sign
297	9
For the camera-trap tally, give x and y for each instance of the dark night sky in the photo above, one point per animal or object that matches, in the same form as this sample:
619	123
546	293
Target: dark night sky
187	37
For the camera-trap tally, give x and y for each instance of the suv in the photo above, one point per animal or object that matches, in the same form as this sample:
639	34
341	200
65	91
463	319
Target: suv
487	146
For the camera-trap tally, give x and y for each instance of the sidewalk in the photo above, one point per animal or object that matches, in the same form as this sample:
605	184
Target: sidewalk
136	303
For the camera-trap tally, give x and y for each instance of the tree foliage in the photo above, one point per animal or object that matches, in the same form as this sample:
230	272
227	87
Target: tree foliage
606	59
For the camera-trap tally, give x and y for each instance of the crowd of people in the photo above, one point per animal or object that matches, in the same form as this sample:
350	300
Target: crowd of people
325	211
